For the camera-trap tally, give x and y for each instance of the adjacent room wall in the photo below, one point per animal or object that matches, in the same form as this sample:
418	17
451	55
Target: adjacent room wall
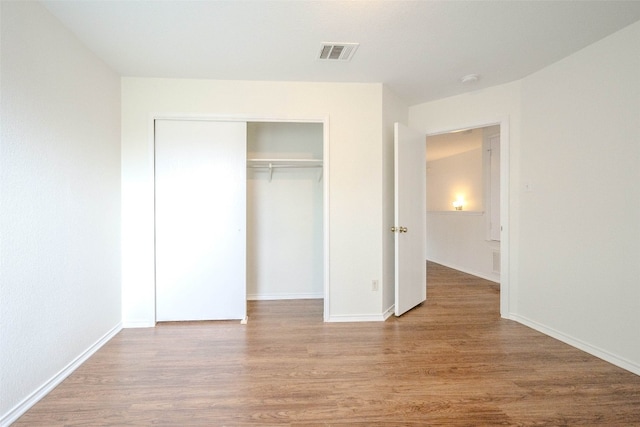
60	204
458	239
354	113
454	176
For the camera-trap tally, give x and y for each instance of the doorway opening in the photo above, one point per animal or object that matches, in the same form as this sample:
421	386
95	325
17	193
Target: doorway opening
467	208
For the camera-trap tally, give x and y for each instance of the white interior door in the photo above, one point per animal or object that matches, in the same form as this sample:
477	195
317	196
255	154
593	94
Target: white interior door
410	218
200	192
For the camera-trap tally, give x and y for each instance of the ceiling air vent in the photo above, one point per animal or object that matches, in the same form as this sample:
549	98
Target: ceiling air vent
337	51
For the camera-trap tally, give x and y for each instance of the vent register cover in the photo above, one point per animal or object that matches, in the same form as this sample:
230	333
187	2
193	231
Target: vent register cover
337	51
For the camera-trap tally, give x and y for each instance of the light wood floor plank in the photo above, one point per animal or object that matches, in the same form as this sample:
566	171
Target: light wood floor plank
451	361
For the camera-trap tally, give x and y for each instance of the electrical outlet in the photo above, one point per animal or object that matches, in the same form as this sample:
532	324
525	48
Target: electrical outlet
374	285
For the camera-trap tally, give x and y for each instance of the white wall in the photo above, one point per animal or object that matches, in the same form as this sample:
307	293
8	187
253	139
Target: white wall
355	206
60	203
574	241
580	225
284	213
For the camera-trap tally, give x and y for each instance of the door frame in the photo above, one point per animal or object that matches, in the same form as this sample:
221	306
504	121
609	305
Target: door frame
324	120
503	122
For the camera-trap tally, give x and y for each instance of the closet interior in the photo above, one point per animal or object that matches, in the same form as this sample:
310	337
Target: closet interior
284	210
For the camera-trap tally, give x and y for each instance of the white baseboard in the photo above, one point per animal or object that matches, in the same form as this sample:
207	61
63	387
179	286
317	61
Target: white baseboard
357	318
138	324
579	344
363	318
22	407
270	297
466	270
389	312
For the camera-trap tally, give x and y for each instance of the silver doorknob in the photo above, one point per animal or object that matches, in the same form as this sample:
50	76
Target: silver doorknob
403	229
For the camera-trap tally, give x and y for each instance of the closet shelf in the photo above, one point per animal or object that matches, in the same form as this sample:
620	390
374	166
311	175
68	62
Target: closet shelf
272	164
293	163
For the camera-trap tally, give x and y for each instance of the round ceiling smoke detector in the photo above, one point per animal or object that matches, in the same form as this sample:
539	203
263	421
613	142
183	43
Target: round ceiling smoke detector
470	78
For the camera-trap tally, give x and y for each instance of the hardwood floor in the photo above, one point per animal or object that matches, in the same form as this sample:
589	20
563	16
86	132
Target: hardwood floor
451	361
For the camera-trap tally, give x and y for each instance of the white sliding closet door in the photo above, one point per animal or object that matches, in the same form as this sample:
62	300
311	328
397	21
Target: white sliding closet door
200	190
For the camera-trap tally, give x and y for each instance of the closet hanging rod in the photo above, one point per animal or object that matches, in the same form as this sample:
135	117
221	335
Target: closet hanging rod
269	166
284	164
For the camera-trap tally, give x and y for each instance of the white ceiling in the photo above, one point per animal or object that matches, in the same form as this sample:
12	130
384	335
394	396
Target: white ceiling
450	144
420	49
